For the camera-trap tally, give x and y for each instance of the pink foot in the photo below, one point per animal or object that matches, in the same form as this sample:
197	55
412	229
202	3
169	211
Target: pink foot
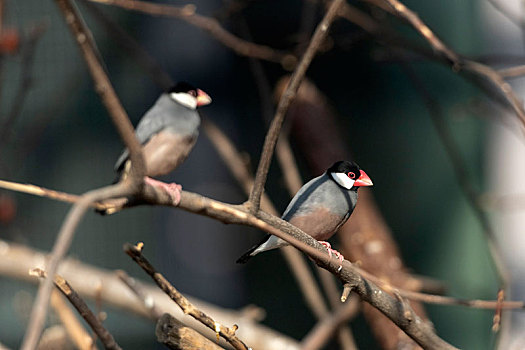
331	251
172	189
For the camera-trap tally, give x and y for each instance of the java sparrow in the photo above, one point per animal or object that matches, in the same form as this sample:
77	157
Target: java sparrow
168	131
320	207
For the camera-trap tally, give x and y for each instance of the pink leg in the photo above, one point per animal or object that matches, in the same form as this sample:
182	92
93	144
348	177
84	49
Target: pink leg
333	251
172	189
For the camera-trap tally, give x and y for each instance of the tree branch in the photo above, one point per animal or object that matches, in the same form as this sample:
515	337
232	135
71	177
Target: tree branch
285	101
133	184
135	252
212	26
16	260
105	337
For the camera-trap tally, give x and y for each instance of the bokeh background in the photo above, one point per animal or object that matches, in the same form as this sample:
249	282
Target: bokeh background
63	139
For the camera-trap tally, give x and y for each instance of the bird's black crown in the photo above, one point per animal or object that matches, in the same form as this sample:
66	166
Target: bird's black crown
182	87
344	166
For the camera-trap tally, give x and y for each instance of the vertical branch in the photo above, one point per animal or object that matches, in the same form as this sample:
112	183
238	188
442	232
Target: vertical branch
103	86
287	97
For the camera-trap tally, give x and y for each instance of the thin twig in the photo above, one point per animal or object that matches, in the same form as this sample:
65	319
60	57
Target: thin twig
188	14
125	129
324	329
135	252
458	63
105	337
76	332
461	173
273	133
141	293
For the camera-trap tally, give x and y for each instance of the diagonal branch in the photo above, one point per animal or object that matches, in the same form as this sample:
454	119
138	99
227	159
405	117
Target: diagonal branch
458	63
63	286
135	252
286	99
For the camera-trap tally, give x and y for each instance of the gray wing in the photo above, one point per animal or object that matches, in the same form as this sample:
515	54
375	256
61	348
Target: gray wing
165	113
303	200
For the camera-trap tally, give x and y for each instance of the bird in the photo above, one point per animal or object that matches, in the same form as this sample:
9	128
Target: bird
320	206
167	132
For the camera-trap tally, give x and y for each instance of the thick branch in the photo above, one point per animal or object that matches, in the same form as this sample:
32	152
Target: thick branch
175	335
285	101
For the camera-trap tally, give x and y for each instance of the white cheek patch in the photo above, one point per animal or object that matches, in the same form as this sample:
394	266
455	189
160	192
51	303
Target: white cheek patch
343	180
184	99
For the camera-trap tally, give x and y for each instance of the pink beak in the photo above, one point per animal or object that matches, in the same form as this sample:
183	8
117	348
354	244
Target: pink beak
202	98
363	180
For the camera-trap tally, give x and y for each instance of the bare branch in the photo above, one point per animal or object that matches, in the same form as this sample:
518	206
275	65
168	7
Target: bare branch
285	101
325	328
16	260
105	337
175	335
133	184
212	26
76	332
135	252
458	63
141	294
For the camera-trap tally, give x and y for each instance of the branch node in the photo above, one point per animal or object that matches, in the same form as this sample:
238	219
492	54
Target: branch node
347	289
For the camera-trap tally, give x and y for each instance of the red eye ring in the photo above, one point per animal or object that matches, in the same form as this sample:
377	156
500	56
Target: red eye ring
351	175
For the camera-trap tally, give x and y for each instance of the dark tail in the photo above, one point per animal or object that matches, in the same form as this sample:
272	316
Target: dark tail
248	255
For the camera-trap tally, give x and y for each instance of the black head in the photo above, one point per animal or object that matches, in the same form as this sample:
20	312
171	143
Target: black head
183	87
346	167
349	175
188	95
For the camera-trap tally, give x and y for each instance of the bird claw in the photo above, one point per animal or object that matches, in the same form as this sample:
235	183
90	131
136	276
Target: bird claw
172	189
331	251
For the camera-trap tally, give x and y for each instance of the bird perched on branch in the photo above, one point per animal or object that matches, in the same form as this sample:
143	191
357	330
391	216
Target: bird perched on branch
320	207
168	131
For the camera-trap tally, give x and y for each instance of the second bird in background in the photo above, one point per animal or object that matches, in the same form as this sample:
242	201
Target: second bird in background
167	132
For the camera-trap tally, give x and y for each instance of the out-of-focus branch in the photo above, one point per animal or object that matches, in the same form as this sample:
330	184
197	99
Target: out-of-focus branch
26	74
285	101
188	14
135	252
105	337
141	294
457	62
16	260
461	173
73	327
133	184
325	328
175	335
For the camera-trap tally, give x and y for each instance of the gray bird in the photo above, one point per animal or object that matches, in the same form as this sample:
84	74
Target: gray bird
320	207
168	131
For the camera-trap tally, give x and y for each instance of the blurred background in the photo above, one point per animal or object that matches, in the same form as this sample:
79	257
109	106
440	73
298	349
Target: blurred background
56	133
